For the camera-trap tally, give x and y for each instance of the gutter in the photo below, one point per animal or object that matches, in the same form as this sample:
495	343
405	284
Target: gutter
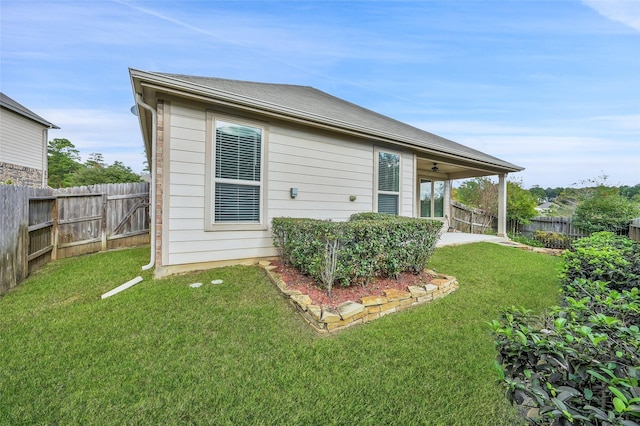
152	186
174	85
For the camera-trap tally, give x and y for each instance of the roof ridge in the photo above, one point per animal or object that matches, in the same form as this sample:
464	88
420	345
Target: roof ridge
232	80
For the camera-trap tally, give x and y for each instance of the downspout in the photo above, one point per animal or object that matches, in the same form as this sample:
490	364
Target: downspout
152	187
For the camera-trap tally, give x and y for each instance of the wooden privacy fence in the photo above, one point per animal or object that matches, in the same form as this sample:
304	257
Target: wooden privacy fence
634	229
470	220
476	221
38	225
558	225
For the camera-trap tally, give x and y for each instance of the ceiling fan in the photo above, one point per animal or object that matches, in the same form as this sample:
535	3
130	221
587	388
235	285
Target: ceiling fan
435	168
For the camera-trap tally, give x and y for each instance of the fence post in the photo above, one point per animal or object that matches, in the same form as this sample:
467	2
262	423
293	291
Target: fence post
54	229
472	221
103	226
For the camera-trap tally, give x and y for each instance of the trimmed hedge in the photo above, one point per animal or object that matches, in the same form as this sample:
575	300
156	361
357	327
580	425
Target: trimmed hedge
579	363
369	245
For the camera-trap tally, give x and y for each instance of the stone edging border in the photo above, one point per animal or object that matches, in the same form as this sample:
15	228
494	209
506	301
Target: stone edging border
325	320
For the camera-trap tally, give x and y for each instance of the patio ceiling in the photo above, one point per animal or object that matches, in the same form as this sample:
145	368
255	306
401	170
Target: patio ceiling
450	170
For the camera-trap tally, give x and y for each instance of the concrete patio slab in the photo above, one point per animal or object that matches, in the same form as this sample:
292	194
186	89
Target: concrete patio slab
456	238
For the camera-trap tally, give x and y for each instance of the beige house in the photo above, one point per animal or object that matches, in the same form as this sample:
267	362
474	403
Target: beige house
23	144
228	156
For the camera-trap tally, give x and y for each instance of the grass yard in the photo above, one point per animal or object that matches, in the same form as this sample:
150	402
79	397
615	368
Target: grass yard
237	354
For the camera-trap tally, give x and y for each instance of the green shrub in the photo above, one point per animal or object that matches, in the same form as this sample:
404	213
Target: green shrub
572	365
523	239
580	362
555	240
604	209
372	216
603	256
358	250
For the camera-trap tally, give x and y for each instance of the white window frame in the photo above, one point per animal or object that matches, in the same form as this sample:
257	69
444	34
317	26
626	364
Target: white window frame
432	180
376	191
211	180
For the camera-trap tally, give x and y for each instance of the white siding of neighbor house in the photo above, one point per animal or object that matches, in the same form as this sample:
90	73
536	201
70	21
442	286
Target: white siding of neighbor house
21	140
325	169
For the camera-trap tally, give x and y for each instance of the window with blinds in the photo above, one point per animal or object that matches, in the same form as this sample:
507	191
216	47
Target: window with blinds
388	183
238	169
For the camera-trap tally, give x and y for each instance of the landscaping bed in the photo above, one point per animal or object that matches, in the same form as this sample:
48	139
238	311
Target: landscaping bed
296	280
356	304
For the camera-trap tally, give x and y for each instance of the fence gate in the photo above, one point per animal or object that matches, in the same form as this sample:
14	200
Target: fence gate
41	230
127	219
41	224
81	219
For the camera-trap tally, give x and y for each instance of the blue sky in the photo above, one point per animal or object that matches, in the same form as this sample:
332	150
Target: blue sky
550	85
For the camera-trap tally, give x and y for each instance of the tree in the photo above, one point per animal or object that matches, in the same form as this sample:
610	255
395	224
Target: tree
552	193
538	193
480	193
630	192
521	204
95	161
95	172
603	209
63	159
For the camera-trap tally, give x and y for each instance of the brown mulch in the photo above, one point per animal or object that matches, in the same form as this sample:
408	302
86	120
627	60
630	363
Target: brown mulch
295	280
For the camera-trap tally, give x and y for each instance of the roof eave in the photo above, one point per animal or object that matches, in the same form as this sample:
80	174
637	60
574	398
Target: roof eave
206	93
32	117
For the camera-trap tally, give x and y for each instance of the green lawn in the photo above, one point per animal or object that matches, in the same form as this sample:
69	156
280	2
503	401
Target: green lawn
164	353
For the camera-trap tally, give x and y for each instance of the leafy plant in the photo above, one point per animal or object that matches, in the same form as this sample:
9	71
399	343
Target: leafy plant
580	362
603	256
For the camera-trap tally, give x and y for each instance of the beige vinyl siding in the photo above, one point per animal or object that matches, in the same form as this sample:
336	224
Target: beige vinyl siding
407	185
21	140
326	170
186	241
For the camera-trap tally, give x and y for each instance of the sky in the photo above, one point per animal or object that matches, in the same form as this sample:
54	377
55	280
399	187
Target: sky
549	85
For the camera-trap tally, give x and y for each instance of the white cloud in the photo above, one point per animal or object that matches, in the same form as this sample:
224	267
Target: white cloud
115	135
624	11
620	122
554	156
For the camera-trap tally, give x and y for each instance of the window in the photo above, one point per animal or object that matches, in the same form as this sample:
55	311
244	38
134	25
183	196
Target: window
431	198
237	179
388	183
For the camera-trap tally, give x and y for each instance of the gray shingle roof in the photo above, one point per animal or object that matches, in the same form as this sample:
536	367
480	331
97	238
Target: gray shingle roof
310	103
10	104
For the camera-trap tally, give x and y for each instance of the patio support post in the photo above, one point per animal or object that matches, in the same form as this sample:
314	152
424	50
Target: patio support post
502	205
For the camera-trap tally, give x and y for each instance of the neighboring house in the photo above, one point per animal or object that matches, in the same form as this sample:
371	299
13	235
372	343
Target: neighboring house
23	144
227	156
544	207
